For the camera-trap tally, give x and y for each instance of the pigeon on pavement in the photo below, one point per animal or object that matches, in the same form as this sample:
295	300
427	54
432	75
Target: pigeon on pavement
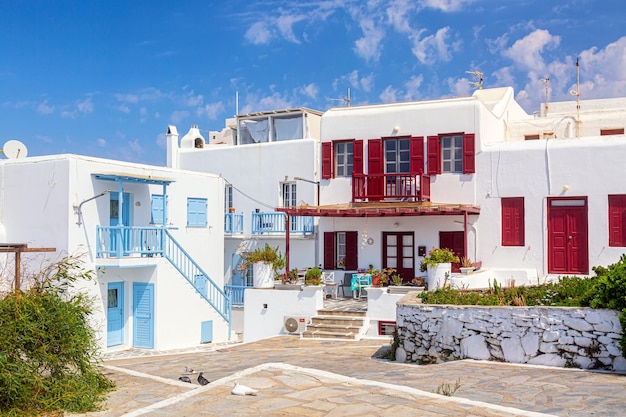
185	379
202	380
188	370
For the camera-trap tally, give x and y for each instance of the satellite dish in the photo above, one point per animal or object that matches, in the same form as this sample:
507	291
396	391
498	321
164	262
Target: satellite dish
15	149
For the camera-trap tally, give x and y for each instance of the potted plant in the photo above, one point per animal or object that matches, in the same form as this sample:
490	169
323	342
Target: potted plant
266	262
467	265
438	264
313	276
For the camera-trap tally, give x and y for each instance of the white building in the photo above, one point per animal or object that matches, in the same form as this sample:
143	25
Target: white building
159	283
267	160
527	196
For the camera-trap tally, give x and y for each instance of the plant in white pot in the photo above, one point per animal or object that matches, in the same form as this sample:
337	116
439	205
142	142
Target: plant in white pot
266	262
467	265
438	264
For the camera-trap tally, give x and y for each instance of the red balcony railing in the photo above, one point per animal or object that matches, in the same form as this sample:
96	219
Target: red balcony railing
390	187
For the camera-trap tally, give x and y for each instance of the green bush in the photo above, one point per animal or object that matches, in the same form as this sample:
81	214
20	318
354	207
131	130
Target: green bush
48	351
609	291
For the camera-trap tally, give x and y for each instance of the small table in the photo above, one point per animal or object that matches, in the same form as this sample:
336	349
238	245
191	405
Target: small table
358	282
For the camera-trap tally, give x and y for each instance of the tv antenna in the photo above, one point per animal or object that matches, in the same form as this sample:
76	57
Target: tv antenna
14	149
344	99
546	82
478	77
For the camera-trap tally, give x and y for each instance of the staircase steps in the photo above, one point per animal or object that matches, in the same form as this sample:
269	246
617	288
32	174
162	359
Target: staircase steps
332	324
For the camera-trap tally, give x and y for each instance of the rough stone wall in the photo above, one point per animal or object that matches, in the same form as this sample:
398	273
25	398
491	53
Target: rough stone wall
554	336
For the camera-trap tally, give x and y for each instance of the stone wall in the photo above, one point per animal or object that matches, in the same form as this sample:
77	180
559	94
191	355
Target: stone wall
554	336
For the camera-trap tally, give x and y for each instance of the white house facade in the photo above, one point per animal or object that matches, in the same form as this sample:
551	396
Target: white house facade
153	237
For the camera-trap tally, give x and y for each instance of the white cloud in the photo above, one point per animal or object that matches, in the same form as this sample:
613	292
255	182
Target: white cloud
179	115
135	147
85	106
432	48
413	86
258	34
44	108
192	100
446	5
389	95
285	23
397	15
460	87
275	101
526	52
604	70
310	90
365	83
369	47
123	108
101	142
211	110
127	98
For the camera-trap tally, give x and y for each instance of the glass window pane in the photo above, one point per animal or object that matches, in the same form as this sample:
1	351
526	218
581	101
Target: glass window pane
407	263
392	262
392	251
112	298
392	240
407	251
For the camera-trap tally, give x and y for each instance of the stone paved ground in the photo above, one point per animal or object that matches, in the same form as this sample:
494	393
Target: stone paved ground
304	377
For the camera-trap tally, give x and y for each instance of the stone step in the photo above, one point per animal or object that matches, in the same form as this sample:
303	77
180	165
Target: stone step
338	320
326	312
329	335
335	328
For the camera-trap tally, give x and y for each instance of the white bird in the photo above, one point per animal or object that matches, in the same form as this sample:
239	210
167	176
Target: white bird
239	389
188	370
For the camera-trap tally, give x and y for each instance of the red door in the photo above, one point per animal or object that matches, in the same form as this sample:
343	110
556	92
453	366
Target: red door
456	242
567	236
398	253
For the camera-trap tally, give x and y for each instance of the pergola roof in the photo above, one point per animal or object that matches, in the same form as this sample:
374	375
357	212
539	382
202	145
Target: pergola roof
137	178
382	209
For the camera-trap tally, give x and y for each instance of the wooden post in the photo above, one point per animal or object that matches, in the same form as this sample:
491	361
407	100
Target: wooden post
17	249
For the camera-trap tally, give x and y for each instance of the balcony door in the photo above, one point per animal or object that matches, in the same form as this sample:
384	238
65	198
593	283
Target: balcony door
399	253
114	220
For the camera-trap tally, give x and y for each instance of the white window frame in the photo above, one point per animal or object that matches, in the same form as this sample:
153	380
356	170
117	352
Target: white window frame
452	154
344	158
340	250
288	194
396	158
228	198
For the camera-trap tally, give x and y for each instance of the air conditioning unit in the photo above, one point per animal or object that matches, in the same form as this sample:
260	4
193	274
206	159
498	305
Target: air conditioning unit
295	324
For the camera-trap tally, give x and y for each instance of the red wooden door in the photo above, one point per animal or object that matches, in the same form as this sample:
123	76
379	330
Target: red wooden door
567	236
454	241
399	253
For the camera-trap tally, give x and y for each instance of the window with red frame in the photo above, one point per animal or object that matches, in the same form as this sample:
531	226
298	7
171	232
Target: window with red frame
341	250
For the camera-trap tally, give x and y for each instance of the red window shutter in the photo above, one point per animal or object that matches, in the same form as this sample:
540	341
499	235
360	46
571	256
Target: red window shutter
327	160
329	250
513	221
469	164
434	155
617	220
352	250
417	155
375	156
357	157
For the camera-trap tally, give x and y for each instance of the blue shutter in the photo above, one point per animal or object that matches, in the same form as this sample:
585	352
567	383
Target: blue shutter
196	212
157	209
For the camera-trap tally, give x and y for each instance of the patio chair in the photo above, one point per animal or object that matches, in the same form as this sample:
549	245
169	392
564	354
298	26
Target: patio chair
347	282
330	286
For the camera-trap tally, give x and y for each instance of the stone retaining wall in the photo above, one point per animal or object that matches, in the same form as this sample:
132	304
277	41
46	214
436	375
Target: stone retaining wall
554	336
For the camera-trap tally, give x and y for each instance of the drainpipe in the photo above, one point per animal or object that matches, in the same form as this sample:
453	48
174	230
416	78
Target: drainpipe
287	243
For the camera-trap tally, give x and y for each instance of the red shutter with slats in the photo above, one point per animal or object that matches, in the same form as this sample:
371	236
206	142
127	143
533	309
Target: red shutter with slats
417	155
469	164
512	221
375	169
357	157
329	250
327	160
352	250
434	155
617	220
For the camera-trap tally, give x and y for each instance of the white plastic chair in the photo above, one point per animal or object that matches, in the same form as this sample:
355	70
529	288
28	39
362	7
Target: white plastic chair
330	286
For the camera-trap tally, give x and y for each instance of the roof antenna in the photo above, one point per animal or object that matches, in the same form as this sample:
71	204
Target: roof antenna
344	99
577	94
546	81
477	76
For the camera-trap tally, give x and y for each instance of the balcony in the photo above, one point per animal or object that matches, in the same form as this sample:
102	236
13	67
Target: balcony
274	223
390	187
233	223
124	241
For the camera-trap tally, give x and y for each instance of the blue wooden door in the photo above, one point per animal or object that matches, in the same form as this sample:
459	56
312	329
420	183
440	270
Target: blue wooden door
143	313
114	220
115	313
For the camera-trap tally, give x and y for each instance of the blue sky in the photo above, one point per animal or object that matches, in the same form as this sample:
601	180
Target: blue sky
105	78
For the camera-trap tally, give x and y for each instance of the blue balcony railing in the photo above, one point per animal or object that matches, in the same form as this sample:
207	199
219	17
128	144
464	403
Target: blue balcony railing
274	223
120	241
233	223
235	293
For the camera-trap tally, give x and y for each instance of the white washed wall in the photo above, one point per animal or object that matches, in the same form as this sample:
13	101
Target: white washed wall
553	336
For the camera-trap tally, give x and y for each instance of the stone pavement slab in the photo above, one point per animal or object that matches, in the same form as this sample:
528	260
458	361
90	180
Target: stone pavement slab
334	378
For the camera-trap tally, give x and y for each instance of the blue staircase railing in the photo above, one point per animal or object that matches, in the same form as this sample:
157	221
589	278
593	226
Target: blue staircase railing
194	274
235	293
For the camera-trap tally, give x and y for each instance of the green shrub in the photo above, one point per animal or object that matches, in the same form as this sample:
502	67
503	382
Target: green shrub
609	291
48	351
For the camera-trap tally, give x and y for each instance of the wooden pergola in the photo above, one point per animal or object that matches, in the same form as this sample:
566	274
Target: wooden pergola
18	249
